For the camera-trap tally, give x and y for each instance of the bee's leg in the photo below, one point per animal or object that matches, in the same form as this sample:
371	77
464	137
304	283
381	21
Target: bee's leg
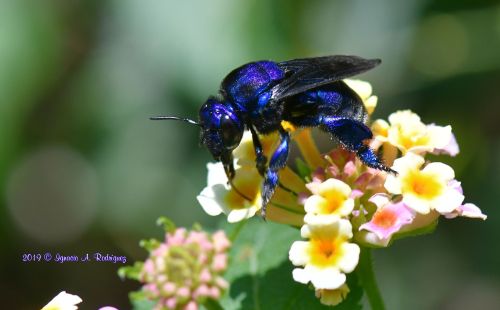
260	158
227	162
354	136
277	162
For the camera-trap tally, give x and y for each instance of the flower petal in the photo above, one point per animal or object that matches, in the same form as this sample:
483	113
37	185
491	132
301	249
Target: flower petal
334	185
472	211
350	257
298	253
208	200
314	204
64	301
444	171
417	204
300	275
449	201
237	215
440	136
362	88
325	278
379	199
393	184
216	174
332	297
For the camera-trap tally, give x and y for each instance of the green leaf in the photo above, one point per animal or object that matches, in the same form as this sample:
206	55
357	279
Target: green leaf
260	274
140	302
211	304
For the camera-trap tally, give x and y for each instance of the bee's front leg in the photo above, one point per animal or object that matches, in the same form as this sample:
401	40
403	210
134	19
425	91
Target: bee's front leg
260	158
227	162
277	162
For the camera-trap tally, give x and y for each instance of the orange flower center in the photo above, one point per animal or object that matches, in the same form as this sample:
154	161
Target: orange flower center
324	253
384	218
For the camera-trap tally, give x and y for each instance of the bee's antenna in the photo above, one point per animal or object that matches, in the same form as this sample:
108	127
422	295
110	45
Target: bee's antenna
187	120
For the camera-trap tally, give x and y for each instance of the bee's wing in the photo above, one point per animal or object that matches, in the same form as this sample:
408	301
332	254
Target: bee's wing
306	73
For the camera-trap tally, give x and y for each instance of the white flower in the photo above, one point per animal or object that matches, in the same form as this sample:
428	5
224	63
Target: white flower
330	197
424	190
244	199
327	256
407	132
63	301
218	197
364	90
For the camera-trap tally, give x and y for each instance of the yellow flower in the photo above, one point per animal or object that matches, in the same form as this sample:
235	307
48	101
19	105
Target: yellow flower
328	255
244	199
424	189
364	90
308	149
330	197
63	301
409	134
332	297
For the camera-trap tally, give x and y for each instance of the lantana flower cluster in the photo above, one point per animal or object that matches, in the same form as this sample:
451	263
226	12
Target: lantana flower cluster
342	206
185	270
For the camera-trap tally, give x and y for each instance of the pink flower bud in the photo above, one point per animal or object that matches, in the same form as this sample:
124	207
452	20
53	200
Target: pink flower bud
214	292
169	288
177	238
221	283
171	302
205	275
191	306
201	291
219	262
221	243
183	292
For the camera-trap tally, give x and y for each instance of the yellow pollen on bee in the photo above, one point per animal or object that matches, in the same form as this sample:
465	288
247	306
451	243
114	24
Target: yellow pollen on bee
288	126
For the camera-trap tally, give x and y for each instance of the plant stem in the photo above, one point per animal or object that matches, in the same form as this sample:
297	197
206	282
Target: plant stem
367	277
236	231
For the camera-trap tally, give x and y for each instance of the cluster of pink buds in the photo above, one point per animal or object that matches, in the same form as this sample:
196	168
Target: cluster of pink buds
186	269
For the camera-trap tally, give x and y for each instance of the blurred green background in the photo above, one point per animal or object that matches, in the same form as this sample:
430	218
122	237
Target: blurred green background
82	170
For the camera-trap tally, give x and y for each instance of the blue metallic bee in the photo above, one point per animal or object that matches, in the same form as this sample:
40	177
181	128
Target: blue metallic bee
307	92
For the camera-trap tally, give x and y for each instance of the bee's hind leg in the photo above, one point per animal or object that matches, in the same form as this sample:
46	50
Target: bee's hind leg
354	136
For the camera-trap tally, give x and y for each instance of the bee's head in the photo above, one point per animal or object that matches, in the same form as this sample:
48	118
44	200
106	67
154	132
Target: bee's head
221	129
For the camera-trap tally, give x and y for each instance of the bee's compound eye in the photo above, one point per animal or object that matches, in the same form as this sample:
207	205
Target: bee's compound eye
230	131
